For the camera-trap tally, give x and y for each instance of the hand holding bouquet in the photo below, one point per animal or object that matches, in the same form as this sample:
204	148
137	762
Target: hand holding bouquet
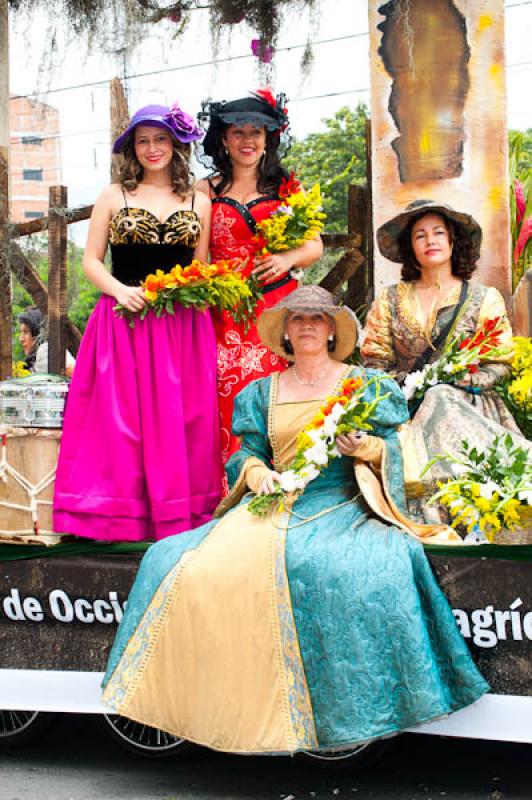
462	357
316	444
198	286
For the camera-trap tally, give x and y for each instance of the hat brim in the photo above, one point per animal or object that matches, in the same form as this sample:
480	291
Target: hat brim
271	328
250	118
388	234
121	141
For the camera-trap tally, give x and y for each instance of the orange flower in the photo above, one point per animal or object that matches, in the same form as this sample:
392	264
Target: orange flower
317	421
351	385
153	284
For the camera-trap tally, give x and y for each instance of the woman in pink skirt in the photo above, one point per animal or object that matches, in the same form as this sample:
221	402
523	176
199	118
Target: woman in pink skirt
140	456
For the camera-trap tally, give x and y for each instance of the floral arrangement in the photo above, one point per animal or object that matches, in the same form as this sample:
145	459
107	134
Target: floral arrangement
462	357
316	444
198	286
520	207
492	489
299	218
19	370
517	392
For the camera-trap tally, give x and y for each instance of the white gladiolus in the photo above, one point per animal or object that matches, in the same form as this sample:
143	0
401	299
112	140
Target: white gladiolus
288	480
459	469
413	382
458	503
318	454
314	434
488	489
329	426
526	496
337	411
309	473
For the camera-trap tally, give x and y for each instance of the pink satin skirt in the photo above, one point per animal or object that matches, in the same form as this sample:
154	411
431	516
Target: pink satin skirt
140	453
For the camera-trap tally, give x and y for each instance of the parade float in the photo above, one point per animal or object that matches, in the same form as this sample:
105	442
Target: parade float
435	131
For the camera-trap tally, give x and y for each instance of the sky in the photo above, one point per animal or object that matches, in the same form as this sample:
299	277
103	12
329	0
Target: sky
166	68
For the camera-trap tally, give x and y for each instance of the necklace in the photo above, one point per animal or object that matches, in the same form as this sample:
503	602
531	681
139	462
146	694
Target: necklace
316	380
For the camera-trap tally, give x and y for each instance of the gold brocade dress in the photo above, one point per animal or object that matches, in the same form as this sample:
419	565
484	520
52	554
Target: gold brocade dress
394	338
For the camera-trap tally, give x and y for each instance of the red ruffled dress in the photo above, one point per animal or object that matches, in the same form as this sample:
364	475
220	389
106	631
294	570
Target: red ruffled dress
242	356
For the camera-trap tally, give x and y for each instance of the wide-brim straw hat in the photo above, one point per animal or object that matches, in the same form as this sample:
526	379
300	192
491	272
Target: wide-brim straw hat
308	299
388	235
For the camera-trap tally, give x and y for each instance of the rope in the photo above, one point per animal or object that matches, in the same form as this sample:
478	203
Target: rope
31	489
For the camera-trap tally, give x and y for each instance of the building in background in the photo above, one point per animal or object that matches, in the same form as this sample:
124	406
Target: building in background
35	156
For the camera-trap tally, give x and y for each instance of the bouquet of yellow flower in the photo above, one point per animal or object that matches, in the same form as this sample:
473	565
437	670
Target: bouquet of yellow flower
198	286
517	392
19	370
492	489
299	218
316	444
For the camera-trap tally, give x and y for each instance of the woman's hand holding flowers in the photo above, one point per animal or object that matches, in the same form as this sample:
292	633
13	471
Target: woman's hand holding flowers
349	443
273	266
360	445
270	483
131	298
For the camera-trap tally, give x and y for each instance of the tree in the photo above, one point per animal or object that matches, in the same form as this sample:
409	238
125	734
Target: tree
334	159
82	294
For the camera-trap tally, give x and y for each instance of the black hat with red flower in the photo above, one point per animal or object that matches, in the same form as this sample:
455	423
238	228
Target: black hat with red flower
262	109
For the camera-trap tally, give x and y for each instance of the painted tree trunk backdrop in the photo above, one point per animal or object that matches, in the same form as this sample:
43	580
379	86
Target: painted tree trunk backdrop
438	111
5	271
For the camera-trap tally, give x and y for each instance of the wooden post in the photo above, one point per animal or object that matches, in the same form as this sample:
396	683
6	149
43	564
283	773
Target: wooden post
119	121
6	312
359	220
57	271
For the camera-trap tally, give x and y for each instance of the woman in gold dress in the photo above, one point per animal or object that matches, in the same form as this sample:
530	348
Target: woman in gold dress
410	324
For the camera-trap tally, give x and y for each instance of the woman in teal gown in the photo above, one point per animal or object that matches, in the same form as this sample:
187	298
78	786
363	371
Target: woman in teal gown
317	627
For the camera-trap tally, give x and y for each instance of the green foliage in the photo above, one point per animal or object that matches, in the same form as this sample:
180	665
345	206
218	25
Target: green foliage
334	159
81	295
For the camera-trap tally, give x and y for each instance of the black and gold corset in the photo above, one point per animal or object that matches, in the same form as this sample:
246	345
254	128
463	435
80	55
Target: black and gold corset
141	244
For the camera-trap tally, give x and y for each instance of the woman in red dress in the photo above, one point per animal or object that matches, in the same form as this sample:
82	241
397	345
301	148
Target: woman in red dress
242	143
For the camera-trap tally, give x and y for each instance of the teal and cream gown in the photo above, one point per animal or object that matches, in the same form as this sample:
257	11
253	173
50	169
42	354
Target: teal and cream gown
318	627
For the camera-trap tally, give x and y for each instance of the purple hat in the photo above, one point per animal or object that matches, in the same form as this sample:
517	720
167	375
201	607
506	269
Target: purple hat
177	122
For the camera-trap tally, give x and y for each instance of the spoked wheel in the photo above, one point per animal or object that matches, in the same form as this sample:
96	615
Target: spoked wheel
143	740
358	756
22	727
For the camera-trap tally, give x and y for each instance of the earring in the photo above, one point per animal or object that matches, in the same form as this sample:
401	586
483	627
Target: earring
286	337
226	151
330	337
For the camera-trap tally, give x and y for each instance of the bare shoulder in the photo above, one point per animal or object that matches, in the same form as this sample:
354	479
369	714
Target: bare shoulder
204	187
201	201
110	197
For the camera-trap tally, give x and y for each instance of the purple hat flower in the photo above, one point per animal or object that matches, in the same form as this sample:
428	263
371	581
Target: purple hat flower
177	122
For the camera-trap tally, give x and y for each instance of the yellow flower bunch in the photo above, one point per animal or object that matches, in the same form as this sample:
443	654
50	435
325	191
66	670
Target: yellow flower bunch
19	370
199	286
298	219
517	392
492	490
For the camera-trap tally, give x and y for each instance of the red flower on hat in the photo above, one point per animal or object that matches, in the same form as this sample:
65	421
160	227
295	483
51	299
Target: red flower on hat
267	95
